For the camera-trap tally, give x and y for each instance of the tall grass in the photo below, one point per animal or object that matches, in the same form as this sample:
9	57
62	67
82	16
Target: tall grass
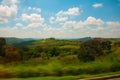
61	66
64	77
56	68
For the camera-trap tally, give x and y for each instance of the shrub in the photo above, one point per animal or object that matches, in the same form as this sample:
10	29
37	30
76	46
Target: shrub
93	48
11	54
69	59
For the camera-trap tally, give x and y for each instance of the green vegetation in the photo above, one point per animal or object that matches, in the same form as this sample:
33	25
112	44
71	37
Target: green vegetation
64	77
51	57
94	48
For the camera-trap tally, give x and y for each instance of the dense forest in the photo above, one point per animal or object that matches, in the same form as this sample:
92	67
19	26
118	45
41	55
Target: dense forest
58	57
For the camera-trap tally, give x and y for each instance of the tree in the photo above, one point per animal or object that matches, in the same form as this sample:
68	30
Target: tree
93	48
2	43
51	38
54	52
11	54
117	44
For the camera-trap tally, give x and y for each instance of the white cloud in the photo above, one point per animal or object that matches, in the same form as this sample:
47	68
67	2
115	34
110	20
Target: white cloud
70	12
99	29
79	25
10	2
34	9
70	29
69	24
73	24
7	13
32	25
91	21
8	10
97	5
61	19
113	24
9	32
52	20
14	32
58	19
63	16
51	29
34	20
19	25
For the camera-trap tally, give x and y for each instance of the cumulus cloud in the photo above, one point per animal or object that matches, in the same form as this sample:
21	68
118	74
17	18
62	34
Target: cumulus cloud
10	2
14	32
113	24
34	9
7	13
97	5
8	10
98	29
61	19
63	16
73	24
9	32
70	12
32	25
19	25
34	20
89	22
57	19
92	21
69	24
52	20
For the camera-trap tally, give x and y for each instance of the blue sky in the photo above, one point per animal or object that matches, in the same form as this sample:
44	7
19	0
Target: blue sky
59	18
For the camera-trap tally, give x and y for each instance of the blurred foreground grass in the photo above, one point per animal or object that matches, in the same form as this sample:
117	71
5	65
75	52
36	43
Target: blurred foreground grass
64	77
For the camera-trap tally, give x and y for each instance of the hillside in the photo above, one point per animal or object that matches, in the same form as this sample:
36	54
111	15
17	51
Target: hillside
52	57
13	41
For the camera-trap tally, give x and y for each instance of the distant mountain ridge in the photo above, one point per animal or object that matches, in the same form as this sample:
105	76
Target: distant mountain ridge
13	41
82	39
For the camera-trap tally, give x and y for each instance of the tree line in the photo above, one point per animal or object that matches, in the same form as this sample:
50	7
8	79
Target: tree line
87	51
